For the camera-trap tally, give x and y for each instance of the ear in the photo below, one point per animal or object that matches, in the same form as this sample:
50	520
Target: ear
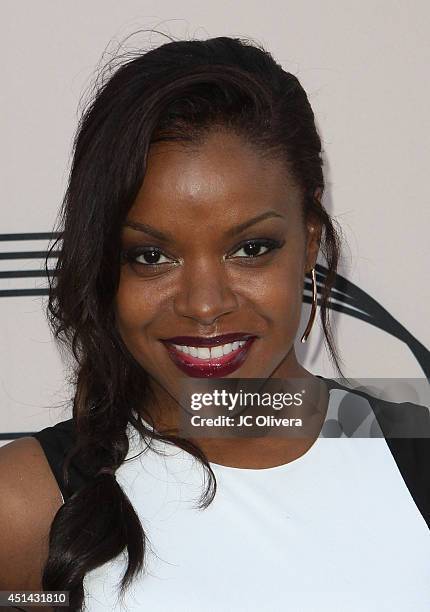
313	241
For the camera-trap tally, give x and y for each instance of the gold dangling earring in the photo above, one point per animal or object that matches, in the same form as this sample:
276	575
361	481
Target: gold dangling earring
313	309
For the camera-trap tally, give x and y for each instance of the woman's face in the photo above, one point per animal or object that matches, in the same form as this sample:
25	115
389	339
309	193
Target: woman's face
216	245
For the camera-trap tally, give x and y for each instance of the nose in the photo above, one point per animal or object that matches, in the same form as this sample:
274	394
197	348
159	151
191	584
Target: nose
204	294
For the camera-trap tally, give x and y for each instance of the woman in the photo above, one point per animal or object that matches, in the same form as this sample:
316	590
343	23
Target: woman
192	216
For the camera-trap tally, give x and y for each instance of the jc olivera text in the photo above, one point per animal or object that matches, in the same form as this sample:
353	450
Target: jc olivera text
244	421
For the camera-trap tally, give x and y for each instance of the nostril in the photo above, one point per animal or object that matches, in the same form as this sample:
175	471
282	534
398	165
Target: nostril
205	300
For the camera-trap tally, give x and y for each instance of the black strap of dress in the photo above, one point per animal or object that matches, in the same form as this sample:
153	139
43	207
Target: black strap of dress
56	442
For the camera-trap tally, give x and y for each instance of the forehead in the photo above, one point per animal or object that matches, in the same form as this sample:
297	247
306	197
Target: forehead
223	176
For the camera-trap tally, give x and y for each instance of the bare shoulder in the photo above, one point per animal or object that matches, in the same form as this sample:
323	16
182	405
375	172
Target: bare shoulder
29	501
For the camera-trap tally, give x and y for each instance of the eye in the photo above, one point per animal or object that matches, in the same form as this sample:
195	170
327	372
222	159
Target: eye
147	256
257	248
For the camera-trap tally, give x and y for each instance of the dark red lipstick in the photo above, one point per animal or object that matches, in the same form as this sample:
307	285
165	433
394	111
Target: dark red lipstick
210	366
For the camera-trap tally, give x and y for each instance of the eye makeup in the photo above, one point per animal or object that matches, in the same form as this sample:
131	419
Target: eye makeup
153	254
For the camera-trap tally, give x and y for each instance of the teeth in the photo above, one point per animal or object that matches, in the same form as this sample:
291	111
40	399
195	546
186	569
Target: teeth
216	351
226	349
213	352
203	352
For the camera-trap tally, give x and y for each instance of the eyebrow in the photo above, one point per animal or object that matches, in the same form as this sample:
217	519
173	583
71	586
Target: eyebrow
233	231
243	226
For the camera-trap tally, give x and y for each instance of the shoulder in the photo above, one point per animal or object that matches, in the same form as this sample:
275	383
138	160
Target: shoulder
30	499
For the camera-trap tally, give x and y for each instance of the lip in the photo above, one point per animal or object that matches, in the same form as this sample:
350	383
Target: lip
217	367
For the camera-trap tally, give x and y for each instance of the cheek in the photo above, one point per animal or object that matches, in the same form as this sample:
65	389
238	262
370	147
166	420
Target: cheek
134	307
278	296
135	311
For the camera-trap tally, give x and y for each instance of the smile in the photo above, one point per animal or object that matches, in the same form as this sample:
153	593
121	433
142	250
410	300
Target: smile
209	361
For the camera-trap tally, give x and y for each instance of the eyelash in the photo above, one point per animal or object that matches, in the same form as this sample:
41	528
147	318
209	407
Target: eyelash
130	255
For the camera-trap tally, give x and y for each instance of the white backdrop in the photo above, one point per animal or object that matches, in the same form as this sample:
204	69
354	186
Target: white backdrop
365	68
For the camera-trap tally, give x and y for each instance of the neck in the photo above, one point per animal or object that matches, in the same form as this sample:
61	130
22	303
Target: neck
260	452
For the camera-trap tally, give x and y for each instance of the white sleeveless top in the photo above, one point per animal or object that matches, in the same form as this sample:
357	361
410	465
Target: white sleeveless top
335	530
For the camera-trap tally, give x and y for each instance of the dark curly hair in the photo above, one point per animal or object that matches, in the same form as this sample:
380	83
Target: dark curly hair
177	91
